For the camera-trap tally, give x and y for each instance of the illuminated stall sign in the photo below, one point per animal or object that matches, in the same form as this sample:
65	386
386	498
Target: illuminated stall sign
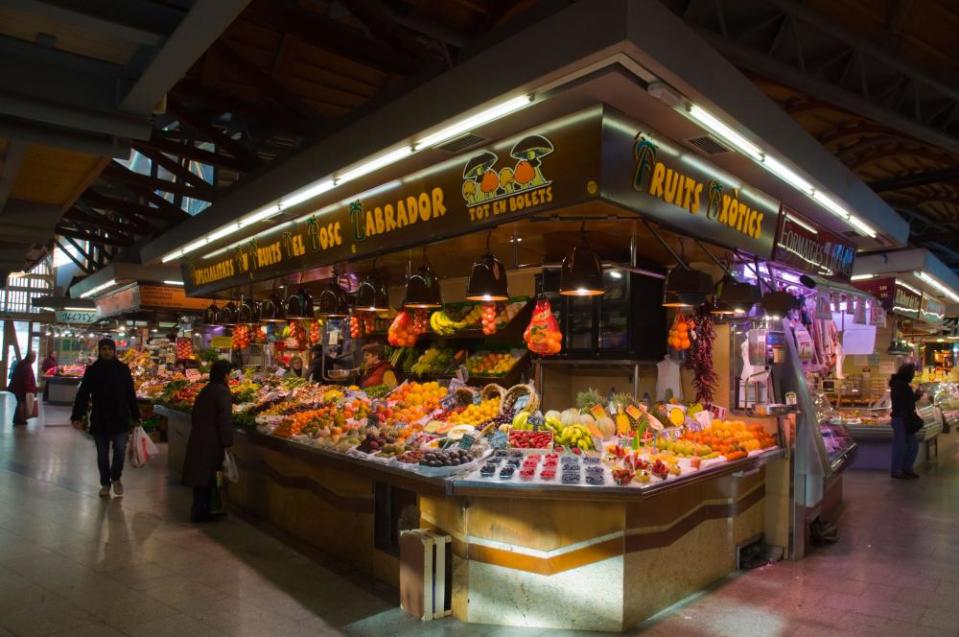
648	173
543	168
76	317
136	297
893	296
932	310
808	248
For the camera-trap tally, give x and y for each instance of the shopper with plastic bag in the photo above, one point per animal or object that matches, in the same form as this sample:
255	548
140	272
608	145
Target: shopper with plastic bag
211	435
109	384
141	448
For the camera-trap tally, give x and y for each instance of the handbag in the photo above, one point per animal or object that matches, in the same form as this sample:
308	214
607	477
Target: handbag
914	423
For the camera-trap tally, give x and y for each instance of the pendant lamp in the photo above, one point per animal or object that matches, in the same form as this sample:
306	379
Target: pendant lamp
332	301
229	314
582	272
248	312
487	280
371	296
211	315
299	305
686	288
739	297
779	303
272	310
423	288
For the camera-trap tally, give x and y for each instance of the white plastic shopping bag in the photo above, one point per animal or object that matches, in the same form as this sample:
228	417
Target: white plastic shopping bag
141	447
230	472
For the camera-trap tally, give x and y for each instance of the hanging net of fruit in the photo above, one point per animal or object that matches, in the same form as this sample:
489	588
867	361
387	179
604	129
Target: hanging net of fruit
402	332
356	327
681	333
489	319
314	332
184	348
542	335
241	337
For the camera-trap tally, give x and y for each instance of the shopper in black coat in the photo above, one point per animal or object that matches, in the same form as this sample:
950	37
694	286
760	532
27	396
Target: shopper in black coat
211	433
905	422
109	383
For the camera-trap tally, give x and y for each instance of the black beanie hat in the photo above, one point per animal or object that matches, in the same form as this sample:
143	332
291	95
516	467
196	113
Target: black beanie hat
106	342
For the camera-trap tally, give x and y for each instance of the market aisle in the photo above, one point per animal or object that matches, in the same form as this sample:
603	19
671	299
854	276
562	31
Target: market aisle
73	564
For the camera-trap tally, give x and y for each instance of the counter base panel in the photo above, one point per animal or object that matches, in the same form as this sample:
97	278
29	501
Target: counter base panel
876	454
61	390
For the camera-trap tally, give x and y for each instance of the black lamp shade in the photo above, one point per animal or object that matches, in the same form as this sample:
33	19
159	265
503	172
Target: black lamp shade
487	280
229	314
272	310
371	296
779	303
211	315
721	309
738	296
248	312
686	288
423	290
582	273
299	305
332	302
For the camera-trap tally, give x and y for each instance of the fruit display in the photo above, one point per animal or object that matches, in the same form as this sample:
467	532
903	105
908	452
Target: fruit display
476	414
492	364
542	336
435	360
316	332
732	438
402	331
241	337
184	348
356	327
531	439
445	325
446	458
681	333
489	319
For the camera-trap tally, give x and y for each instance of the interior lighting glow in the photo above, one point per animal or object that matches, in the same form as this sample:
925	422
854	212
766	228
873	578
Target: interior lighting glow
174	282
862	226
946	290
802	224
374	164
78	309
261	214
903	284
862	277
787	174
315	189
726	133
176	254
467	124
99	288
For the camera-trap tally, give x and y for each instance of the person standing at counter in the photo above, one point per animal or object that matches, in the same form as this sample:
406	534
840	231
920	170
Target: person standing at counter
905	422
296	367
378	370
49	363
24	382
211	433
109	383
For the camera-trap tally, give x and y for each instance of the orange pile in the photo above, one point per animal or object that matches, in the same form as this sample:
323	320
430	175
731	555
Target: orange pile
679	333
733	439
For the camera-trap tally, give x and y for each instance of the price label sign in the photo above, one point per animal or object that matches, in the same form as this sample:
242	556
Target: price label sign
633	411
192	374
466	442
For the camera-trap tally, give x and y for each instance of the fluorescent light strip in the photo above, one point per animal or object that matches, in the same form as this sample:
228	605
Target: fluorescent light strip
465	125
776	167
862	277
946	290
174	282
902	283
99	288
79	309
725	132
802	224
325	185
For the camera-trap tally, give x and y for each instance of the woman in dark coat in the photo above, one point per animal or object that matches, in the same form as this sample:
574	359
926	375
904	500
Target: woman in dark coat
24	382
211	433
905	422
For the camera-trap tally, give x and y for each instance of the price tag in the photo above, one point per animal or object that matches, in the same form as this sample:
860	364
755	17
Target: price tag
499	440
633	411
161	369
466	442
597	411
280	373
448	402
192	374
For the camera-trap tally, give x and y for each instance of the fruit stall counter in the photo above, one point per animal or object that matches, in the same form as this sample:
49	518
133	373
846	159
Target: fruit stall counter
874	439
61	390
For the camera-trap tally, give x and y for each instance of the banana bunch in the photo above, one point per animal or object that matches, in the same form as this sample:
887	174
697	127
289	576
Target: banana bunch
576	436
553	424
521	421
443	325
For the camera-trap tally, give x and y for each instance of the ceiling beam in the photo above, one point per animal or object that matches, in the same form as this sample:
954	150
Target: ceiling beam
189	90
83	267
202	25
133	222
123	207
137	21
183	173
190	119
382	25
916	179
76	214
196	154
10	168
116	172
76	233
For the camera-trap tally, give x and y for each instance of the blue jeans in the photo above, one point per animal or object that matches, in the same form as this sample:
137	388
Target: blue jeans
905	447
110	471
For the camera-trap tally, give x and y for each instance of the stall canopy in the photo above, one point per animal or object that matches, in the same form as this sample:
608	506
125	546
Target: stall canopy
923	284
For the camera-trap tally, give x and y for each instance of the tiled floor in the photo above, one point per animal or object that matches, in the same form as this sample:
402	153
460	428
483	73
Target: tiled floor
74	564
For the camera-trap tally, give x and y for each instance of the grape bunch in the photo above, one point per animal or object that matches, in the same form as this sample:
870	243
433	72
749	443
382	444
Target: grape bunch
373	442
446	458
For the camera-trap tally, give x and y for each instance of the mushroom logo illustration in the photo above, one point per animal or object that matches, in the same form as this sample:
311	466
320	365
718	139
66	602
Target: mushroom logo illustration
644	153
356	218
528	153
506	181
714	201
480	181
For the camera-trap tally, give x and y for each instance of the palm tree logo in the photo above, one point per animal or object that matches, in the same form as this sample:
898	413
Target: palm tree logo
356	217
251	251
313	232
644	153
714	201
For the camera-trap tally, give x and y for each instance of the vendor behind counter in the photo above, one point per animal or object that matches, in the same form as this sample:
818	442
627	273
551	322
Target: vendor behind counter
378	369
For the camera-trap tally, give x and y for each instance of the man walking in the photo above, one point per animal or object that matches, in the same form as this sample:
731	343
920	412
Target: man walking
109	383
